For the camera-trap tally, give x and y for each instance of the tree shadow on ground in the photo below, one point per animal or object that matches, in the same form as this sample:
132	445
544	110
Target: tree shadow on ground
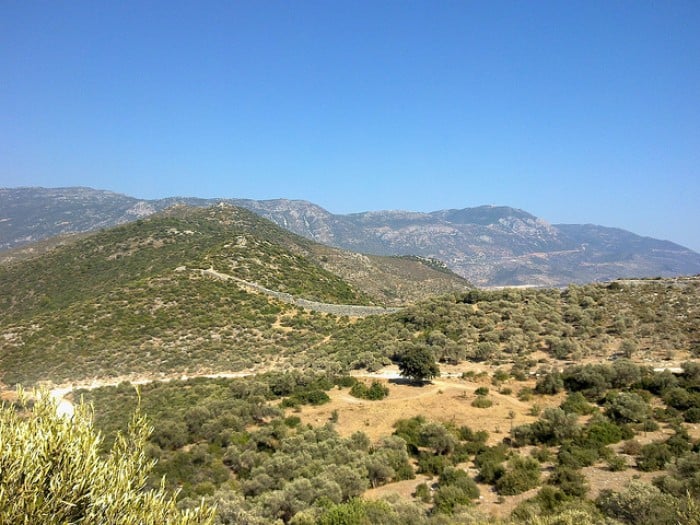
409	382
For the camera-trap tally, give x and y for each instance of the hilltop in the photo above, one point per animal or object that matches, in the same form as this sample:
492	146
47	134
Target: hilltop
487	245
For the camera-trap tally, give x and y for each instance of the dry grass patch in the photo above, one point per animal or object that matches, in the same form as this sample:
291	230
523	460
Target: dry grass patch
446	400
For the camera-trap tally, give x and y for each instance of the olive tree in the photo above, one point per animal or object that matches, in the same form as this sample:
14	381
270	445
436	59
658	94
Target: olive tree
418	364
53	471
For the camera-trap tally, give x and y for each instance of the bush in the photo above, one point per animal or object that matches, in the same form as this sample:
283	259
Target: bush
525	394
552	428
616	463
692	415
541	454
638	503
500	375
423	493
631	447
570	482
431	464
490	463
292	421
576	403
575	456
550	384
627	407
345	381
53	472
654	456
306	397
523	474
481	402
600	432
459	478
591	380
446	499
375	392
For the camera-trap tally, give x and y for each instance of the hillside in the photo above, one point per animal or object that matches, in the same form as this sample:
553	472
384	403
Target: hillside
549	404
185	290
487	245
552	403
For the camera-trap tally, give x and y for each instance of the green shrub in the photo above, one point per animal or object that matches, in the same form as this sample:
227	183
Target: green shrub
600	432
575	456
542	454
523	474
571	482
654	456
550	384
627	407
616	463
692	415
631	447
422	493
576	403
446	499
481	402
432	464
292	421
639	503
345	381
500	375
459	478
374	392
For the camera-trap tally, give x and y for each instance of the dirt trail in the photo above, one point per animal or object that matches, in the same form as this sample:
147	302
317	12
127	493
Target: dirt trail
390	373
65	406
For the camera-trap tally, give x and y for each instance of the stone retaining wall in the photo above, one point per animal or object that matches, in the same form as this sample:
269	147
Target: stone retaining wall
351	310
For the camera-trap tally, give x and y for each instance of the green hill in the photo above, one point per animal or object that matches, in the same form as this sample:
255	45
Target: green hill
186	290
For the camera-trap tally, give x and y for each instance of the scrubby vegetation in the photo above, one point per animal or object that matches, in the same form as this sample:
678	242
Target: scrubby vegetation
233	442
574	363
219	436
113	305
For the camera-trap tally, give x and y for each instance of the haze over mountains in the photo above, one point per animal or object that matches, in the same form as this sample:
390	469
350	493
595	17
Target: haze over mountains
488	245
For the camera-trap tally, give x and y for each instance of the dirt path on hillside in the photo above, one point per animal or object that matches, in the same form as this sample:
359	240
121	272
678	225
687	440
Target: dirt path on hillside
65	406
60	393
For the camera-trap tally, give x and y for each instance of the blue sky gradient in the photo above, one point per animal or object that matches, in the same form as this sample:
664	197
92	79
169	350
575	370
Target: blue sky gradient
578	112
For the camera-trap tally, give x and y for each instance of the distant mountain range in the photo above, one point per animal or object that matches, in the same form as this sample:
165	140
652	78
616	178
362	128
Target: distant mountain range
488	245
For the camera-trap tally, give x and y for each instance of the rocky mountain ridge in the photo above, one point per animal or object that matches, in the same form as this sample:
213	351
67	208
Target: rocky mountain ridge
488	245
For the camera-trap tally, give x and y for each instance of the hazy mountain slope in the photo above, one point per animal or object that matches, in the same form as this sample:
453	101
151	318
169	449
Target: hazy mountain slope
496	246
32	214
488	245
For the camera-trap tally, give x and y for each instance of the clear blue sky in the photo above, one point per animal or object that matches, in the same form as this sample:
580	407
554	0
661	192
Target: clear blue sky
585	112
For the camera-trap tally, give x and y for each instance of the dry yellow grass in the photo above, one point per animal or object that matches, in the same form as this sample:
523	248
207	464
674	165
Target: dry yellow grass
446	400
